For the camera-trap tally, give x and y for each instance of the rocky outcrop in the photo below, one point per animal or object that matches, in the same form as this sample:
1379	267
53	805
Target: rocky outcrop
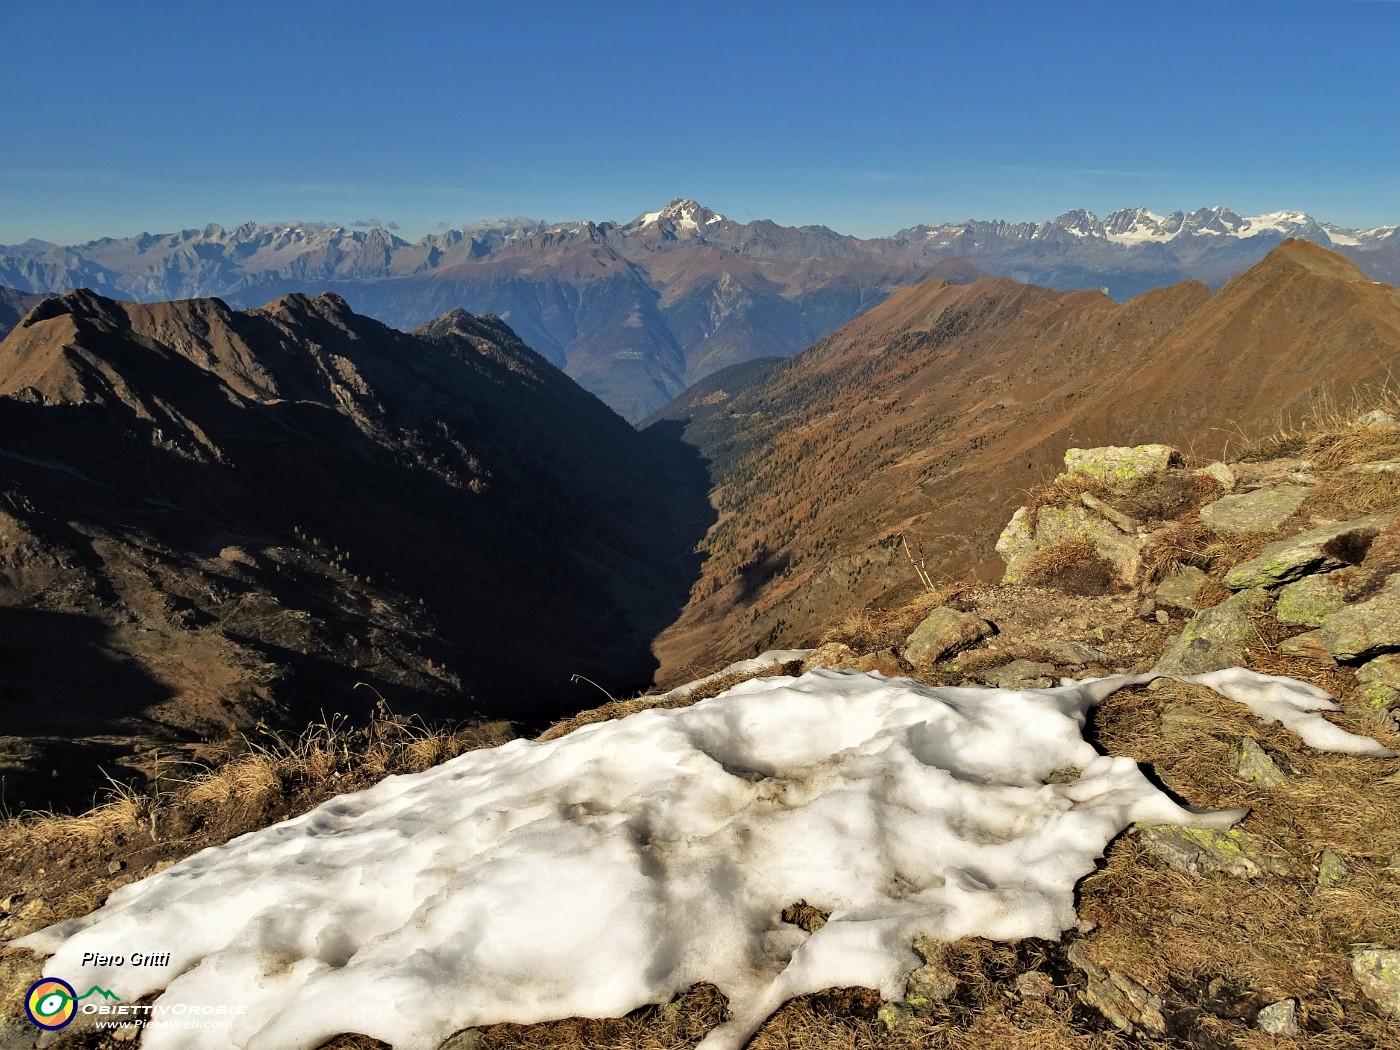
944	631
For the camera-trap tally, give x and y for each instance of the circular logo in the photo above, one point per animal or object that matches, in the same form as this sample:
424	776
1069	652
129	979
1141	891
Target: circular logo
51	1003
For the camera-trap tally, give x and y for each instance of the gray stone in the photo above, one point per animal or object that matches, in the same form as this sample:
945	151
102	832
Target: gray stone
1308	646
1162	617
1021	674
1120	465
1221	473
466	1039
1376	418
1123	1001
1216	638
1254	764
1316	550
1385	466
1034	984
1180	587
1366	629
1309	601
1018	543
1203	851
892	1015
1331	869
1376	971
1262	510
1069	652
1378	681
1280	1018
1110	514
944	631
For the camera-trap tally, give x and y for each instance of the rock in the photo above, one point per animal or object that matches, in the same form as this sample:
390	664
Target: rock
1018	543
1021	674
1280	1018
833	655
1308	646
943	632
1253	763
1069	652
1113	516
884	661
892	1015
1321	549
1221	473
1180	587
932	982
1366	629
1146	607
1385	466
1309	601
1376	418
1119	465
114	866
1331	869
1215	638
1377	973
466	1039
1124	1002
1162	617
1202	851
1034	984
1262	510
1187	718
1378	681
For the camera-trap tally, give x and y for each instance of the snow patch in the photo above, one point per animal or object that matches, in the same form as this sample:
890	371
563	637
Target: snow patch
623	863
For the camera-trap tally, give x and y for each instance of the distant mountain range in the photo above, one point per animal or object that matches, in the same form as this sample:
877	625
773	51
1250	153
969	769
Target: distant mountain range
638	311
212	518
933	415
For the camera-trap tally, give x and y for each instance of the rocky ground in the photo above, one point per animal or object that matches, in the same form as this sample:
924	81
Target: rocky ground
1284	931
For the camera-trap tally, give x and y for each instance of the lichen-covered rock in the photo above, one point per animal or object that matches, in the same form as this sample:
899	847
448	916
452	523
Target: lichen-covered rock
1071	652
1378	681
1309	601
932	982
1254	764
1215	638
1181	586
1202	851
1280	1018
1376	418
1019	544
1262	510
1366	629
1124	1002
1377	973
944	631
1316	550
1331	869
1384	466
1119	465
833	655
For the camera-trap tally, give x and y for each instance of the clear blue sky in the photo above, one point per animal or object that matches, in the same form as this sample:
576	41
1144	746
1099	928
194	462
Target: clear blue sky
867	117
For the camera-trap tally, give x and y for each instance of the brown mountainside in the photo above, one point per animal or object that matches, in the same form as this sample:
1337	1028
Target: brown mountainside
930	417
211	518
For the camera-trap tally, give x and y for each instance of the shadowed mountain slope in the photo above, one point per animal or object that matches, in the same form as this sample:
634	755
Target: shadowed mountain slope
930	416
253	512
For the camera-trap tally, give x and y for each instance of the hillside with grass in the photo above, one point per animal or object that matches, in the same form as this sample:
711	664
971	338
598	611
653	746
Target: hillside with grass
1274	922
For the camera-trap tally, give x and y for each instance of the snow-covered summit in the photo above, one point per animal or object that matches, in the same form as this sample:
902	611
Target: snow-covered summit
683	214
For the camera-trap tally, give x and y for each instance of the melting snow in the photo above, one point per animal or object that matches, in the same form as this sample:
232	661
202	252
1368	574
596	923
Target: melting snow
629	860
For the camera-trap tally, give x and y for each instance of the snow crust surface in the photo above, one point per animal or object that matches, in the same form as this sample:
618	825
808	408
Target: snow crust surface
625	862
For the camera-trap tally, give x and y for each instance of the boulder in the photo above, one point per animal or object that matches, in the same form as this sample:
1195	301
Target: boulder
1280	1018
1366	629
1376	418
1378	681
1070	652
1180	587
1332	869
1262	510
1021	674
1222	473
1124	1002
1384	466
1377	973
1215	638
1310	601
1309	647
944	631
1253	763
1316	550
1202	851
1122	466
1019	543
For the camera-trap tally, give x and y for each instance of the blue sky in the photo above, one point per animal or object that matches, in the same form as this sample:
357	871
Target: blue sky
867	117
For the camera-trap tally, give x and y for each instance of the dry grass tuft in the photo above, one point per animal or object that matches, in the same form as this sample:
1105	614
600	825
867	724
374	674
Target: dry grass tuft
1071	565
1345	496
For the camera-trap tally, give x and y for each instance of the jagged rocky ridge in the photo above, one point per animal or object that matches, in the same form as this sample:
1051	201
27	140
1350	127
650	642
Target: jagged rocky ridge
637	311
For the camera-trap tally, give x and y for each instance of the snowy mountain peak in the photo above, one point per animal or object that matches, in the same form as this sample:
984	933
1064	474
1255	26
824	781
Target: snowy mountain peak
682	214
